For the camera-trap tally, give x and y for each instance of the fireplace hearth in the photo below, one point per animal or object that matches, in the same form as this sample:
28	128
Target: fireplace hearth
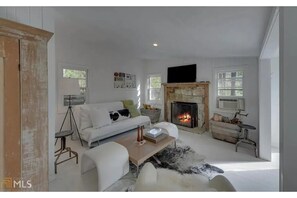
184	114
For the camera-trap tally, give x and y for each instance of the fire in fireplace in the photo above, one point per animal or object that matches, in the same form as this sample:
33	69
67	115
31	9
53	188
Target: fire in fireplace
184	114
184	118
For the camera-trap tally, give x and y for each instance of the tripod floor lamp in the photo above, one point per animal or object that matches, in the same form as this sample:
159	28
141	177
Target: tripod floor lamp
70	87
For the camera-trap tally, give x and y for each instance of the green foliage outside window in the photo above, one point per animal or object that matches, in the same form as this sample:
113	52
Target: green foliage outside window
155	82
154	88
81	76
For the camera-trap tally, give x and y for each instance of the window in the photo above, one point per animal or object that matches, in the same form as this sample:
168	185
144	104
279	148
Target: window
154	88
81	75
230	83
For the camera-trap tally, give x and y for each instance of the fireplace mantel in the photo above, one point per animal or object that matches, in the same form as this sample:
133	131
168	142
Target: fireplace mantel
188	92
193	84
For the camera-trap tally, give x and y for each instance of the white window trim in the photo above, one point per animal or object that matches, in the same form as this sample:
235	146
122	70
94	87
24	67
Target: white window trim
147	89
75	67
215	86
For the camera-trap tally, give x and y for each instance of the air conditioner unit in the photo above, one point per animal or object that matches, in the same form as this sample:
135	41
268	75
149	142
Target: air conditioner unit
231	103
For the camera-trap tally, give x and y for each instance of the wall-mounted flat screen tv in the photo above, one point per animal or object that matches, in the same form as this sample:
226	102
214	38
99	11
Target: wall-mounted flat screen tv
180	74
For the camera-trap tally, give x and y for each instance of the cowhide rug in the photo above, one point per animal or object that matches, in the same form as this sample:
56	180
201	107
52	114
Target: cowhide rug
182	159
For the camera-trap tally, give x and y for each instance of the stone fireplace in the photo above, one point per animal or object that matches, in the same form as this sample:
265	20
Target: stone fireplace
184	114
192	93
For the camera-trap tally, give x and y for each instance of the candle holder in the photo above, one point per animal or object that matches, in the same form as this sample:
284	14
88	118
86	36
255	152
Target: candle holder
140	139
141	135
138	134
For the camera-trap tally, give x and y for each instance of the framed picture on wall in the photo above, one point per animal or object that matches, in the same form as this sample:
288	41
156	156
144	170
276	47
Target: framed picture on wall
124	80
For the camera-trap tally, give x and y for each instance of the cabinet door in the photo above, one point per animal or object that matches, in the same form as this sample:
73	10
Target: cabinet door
10	111
1	120
34	113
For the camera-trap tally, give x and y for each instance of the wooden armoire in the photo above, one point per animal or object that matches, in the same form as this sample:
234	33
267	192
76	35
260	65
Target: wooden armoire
23	107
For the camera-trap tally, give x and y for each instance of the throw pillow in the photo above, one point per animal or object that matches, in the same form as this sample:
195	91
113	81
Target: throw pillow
133	110
100	118
85	119
127	103
119	115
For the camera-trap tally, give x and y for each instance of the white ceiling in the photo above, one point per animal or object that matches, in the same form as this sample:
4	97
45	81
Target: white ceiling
179	31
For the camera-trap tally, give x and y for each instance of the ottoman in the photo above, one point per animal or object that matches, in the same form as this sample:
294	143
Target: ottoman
111	160
171	128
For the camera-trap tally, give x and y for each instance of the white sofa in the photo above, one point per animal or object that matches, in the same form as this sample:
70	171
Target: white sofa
90	134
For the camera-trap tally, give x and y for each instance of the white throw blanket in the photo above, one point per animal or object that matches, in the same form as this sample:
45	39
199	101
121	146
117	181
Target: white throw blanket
151	179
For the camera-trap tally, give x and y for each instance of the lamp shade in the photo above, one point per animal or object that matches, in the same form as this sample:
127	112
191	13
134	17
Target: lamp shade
70	86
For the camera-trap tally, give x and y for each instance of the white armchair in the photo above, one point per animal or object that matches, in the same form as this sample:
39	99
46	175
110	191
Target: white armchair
152	179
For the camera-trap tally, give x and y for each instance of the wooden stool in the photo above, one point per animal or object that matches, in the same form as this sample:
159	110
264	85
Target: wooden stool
64	149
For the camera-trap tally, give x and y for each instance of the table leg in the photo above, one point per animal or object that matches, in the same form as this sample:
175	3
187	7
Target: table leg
157	160
137	170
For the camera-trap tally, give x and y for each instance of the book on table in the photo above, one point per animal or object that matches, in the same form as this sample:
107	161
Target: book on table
154	132
156	139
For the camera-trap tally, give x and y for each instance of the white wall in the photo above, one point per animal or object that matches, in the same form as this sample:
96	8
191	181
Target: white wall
288	95
269	81
275	102
265	109
101	65
205	70
42	18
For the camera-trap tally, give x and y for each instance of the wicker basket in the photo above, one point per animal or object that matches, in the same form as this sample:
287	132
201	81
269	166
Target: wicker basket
154	114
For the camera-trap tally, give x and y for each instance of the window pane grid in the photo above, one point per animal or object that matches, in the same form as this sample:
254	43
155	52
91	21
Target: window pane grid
230	83
154	88
155	82
228	89
81	76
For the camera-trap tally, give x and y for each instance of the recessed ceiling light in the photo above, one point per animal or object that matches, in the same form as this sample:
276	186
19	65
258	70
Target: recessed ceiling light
155	44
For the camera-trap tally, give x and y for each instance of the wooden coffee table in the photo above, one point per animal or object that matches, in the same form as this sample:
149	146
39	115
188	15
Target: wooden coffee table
139	153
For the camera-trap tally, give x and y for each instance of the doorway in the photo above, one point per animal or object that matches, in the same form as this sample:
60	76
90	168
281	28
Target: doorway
269	93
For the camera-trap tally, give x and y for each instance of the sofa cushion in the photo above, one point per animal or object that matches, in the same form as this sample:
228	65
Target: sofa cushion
85	119
100	117
89	134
